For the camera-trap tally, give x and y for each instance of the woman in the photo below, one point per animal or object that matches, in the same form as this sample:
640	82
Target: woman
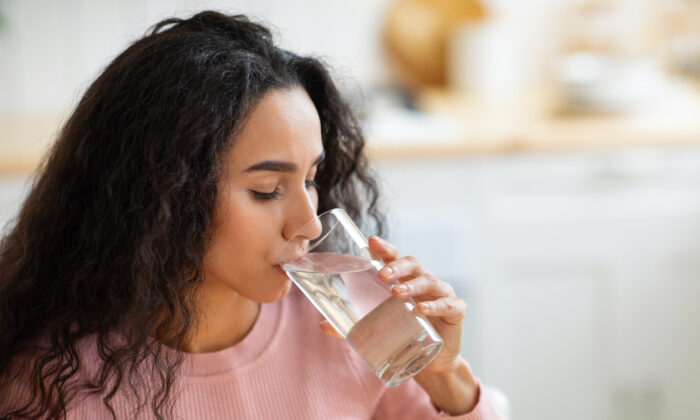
139	279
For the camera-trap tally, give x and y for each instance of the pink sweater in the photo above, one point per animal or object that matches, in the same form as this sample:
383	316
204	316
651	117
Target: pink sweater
285	368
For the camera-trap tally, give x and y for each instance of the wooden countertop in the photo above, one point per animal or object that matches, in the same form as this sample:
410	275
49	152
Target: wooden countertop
476	128
536	124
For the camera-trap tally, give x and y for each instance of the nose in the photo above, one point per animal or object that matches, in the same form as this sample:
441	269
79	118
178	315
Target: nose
303	222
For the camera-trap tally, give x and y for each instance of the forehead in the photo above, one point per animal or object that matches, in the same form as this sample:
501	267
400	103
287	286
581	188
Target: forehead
284	125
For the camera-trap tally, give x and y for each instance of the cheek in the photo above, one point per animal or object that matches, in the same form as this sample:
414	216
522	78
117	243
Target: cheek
242	237
237	259
236	239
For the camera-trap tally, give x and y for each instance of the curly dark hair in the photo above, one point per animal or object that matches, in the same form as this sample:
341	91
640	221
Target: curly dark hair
112	236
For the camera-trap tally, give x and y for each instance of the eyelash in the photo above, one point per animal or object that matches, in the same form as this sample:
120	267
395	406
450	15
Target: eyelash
276	193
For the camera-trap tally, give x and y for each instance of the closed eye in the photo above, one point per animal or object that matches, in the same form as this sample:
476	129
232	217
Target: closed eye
261	196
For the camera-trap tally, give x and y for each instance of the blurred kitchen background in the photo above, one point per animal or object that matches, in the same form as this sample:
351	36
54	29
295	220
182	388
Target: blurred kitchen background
542	156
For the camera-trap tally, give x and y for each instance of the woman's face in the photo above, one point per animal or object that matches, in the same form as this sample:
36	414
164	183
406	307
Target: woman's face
266	196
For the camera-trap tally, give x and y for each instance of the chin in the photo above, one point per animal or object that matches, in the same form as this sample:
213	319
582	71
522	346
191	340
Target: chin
277	294
285	290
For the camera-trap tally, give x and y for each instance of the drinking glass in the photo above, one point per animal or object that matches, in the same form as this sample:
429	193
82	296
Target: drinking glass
329	260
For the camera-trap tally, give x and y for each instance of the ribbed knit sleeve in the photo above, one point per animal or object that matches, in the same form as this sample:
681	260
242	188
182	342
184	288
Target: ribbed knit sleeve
410	402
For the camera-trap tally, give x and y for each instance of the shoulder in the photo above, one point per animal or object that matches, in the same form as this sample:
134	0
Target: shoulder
21	388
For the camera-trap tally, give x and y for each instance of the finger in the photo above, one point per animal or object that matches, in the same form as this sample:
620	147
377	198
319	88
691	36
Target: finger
401	269
450	309
426	285
328	329
382	250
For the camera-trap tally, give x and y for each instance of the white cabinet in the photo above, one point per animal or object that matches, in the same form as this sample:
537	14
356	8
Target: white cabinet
581	273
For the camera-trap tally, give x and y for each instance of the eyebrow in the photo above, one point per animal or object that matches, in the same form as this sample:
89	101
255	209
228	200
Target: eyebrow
281	166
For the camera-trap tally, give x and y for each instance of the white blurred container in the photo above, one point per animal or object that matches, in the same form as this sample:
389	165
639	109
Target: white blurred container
609	82
505	55
484	61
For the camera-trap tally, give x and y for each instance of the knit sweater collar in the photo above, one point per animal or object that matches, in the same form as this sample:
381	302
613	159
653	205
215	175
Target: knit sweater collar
246	352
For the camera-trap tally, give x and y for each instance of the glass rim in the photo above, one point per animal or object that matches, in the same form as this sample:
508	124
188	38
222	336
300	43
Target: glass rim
338	212
341	217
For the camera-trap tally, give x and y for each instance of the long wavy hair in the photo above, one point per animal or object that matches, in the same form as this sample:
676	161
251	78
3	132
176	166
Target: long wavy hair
112	235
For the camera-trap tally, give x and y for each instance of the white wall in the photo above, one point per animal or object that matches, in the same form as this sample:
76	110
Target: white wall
50	50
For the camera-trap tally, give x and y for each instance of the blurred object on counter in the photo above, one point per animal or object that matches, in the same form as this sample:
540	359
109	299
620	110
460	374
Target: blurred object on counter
681	30
503	57
593	25
396	117
416	36
609	82
611	59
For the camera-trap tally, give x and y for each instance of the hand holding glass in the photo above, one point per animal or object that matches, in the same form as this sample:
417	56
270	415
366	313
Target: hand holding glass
329	260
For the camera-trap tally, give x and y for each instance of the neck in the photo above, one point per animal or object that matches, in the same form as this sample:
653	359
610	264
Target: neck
224	318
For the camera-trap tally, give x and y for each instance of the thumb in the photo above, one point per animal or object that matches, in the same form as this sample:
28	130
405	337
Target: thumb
328	329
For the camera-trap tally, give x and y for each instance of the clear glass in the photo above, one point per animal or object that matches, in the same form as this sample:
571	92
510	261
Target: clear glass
329	260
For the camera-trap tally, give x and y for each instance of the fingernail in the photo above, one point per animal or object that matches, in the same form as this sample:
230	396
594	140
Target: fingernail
401	288
424	306
387	272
